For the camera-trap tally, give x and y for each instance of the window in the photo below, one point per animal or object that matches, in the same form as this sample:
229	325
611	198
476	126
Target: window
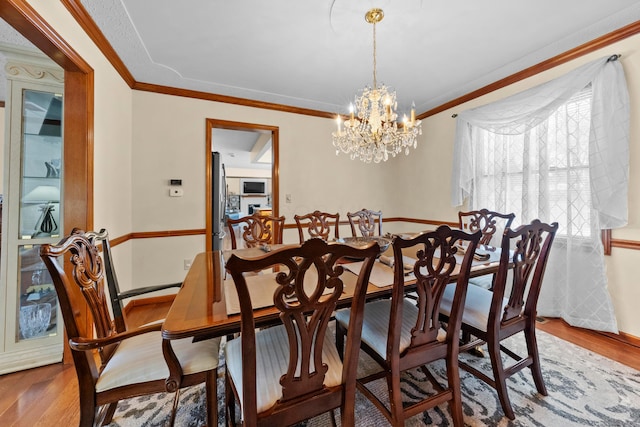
558	151
543	173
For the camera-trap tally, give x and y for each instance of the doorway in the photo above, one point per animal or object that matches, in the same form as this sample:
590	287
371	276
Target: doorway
265	142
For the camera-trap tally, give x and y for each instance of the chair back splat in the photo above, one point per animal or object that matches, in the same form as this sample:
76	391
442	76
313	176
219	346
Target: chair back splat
116	296
365	220
318	224
256	230
486	221
287	373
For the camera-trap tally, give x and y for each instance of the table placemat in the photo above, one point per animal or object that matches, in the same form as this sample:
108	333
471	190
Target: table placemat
261	287
381	274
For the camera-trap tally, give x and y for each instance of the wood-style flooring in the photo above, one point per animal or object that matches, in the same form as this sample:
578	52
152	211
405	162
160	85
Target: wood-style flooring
48	396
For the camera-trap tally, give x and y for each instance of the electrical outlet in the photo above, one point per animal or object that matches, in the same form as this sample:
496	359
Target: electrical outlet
187	264
176	192
288	198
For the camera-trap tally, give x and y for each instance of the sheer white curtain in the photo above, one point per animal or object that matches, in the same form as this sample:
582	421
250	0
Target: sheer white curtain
557	152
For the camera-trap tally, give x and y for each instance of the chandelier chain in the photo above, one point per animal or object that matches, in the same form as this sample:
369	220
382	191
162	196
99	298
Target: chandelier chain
375	65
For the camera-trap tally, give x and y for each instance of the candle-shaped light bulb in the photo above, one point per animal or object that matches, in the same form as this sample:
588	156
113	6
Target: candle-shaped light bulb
405	121
387	104
351	111
339	120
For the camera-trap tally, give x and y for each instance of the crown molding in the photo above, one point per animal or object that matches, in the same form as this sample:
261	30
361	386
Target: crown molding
89	26
593	45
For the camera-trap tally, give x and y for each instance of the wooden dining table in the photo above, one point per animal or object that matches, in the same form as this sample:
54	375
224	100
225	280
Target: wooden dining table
199	309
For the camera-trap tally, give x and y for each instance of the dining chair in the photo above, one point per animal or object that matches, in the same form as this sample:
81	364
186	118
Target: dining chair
365	220
291	372
112	365
402	334
256	230
488	222
116	296
493	316
318	224
491	224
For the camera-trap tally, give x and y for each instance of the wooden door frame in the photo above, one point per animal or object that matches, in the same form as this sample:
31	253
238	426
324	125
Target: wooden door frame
78	118
275	166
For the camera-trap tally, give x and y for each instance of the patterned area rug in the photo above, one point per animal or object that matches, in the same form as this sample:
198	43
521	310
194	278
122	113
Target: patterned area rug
585	389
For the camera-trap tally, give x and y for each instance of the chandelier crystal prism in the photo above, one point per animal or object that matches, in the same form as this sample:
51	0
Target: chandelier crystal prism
371	132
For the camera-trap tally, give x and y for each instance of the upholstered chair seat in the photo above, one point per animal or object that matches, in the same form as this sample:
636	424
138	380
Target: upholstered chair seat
476	306
375	329
139	359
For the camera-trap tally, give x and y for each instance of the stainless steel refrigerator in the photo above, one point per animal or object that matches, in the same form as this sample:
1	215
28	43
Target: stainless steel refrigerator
219	200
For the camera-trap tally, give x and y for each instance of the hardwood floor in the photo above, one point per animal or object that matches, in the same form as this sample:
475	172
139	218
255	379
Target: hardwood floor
49	395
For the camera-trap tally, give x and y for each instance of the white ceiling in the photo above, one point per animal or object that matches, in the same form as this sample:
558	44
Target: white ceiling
249	149
318	54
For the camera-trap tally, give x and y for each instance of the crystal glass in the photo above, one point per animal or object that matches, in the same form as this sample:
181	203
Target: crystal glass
34	320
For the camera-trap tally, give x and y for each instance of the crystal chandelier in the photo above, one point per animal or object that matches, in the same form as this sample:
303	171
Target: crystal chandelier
371	133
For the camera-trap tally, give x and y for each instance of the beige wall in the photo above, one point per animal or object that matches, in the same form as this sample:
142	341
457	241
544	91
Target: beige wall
112	133
169	142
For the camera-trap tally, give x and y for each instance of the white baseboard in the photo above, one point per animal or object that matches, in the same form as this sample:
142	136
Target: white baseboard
32	358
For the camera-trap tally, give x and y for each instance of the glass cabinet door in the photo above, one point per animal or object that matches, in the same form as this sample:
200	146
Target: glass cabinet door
39	215
40	165
32	331
33	327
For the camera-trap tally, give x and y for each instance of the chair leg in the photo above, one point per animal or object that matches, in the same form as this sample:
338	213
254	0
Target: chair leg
532	348
108	415
211	387
176	399
230	402
500	379
395	399
88	410
453	381
341	332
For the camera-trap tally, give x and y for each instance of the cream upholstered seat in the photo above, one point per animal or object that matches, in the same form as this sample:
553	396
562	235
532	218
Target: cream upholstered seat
492	316
291	372
139	360
476	306
401	334
376	330
131	363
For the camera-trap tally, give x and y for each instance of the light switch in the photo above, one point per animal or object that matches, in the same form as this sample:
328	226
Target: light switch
176	192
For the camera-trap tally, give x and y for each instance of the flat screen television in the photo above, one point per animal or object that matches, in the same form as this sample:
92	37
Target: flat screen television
254	186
